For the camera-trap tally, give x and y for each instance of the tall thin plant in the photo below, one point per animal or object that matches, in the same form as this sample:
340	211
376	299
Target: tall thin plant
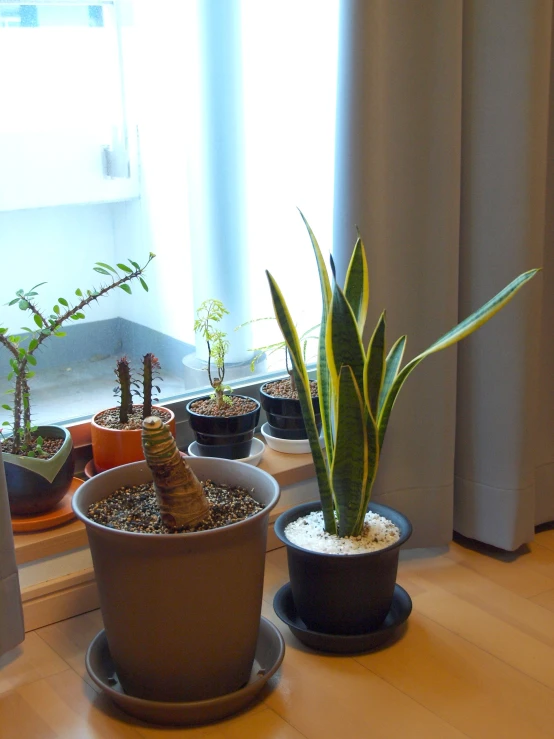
358	385
23	346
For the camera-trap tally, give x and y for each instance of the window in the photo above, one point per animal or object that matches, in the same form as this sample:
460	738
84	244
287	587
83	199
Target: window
104	154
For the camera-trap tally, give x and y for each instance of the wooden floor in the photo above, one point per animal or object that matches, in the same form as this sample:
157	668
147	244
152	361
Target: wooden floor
476	660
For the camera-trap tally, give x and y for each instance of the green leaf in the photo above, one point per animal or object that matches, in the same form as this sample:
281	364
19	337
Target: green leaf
101	270
79	316
60	333
125	268
26	328
56	310
392	364
38	320
33	345
463	329
40	284
356	286
126	288
290	335
14	301
30	374
143	283
32	360
106	266
63	301
10	376
343	341
350	464
375	366
6	407
23	305
79	292
3	330
136	265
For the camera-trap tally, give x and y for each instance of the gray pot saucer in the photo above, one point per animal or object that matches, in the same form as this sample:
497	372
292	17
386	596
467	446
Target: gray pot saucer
270	651
283	605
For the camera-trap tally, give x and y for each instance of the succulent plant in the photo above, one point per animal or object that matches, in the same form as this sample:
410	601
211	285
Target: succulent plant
128	386
24	345
358	385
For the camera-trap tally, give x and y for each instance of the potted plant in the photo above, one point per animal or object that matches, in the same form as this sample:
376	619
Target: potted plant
223	423
179	566
334	593
279	397
38	459
116	432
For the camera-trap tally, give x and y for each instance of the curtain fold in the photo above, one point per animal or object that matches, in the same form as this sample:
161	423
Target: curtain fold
441	162
11	613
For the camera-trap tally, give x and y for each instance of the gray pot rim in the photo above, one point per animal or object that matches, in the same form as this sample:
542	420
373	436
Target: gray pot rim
315	505
191	535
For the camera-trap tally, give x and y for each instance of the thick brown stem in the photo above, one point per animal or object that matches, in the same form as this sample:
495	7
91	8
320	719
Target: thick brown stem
180	495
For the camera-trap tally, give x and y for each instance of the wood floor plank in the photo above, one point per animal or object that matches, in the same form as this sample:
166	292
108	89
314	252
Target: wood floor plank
522	613
516	572
545	537
30	661
487	631
546	600
472	690
325	697
18	721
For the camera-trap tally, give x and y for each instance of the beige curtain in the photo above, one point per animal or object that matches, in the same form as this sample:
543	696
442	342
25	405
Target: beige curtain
442	153
11	615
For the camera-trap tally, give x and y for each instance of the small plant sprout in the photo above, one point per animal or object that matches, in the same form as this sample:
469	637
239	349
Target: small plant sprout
127	386
209	313
23	346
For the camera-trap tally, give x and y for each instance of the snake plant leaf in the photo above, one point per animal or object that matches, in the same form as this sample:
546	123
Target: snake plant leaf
463	329
374	370
350	470
343	341
288	329
392	364
373	453
356	285
325	285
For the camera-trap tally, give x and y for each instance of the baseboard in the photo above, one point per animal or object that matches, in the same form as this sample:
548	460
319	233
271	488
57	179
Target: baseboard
70	595
58	599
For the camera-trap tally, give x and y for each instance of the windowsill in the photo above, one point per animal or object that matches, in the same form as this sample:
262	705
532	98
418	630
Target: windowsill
287	469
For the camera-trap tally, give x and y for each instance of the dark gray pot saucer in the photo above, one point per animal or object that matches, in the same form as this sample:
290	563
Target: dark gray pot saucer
283	605
270	651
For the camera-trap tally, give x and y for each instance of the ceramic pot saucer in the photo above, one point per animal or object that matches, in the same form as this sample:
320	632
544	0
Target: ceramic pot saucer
288	446
61	513
270	651
255	457
284	607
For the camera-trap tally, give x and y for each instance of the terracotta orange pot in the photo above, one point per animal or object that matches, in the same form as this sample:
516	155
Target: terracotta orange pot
114	447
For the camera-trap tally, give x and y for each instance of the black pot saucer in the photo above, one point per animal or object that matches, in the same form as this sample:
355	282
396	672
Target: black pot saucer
270	651
283	605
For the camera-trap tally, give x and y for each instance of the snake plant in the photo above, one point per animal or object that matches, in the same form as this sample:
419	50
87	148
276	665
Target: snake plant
358	386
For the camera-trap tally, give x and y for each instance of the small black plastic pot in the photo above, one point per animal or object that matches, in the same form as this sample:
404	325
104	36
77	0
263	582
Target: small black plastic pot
342	593
37	485
284	416
226	437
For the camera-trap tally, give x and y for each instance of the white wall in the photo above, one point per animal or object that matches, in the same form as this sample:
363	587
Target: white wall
59	246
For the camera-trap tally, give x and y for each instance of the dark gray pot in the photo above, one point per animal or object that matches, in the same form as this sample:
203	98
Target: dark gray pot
181	611
37	485
339	593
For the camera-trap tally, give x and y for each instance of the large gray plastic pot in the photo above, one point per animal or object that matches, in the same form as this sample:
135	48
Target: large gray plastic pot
181	611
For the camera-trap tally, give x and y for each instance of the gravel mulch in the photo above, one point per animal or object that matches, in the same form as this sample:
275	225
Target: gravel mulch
50	446
237	407
110	418
283	389
135	509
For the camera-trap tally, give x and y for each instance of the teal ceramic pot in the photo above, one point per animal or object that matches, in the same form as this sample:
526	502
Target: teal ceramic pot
37	485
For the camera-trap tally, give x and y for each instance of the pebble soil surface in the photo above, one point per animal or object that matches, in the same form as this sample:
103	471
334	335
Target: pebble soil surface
308	532
110	418
237	407
283	389
135	509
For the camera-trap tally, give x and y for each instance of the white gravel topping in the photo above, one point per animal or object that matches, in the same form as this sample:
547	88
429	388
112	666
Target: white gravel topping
308	532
